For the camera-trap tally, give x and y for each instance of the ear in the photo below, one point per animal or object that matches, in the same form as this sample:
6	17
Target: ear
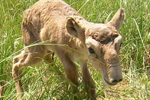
118	19
75	29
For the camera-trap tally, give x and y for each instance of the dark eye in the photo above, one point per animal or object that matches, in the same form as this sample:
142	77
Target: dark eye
105	41
91	51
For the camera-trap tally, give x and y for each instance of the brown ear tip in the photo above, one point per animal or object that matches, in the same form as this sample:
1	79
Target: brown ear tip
68	18
83	28
122	10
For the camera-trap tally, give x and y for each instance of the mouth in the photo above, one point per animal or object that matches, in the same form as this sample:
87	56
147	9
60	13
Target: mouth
108	83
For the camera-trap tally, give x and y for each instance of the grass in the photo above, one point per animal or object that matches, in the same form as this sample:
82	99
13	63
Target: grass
48	82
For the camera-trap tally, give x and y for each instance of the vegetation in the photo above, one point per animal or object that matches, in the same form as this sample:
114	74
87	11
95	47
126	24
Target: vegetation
48	82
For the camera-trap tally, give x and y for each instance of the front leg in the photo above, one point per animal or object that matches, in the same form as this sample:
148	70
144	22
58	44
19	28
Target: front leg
88	81
70	70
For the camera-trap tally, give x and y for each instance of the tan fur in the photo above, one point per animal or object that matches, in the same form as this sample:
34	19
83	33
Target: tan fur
53	26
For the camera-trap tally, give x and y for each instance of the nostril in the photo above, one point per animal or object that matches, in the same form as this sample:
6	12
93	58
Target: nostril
114	81
120	80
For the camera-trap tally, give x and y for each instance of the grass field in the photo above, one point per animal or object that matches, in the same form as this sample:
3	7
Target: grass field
48	82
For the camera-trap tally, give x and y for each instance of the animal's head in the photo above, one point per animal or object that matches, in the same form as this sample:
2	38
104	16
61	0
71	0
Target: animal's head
103	42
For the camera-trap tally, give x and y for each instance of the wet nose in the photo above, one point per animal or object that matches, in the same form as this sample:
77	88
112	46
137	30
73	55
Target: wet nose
115	81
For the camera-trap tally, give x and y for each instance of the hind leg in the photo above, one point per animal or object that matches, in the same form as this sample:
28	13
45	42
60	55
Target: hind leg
20	61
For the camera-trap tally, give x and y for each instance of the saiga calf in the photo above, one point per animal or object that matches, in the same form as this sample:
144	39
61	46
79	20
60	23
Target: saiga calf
60	29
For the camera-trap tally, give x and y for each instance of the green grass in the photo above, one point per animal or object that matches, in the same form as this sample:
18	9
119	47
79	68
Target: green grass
48	82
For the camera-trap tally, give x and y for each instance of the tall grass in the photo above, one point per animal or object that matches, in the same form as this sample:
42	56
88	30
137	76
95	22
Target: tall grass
48	82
